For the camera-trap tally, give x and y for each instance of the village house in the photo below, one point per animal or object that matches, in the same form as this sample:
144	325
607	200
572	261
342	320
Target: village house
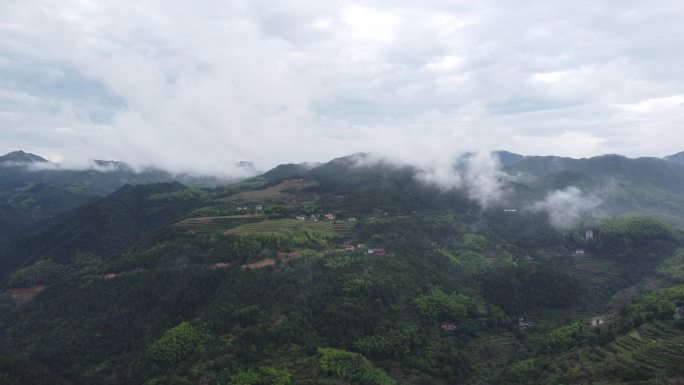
597	321
108	276
448	326
679	312
351	219
522	324
589	235
579	253
301	217
348	247
330	217
380	252
258	208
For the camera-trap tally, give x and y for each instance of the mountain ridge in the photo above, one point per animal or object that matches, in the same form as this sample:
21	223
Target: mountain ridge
21	157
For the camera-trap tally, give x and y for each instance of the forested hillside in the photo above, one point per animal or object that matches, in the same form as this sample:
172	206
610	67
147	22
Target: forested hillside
34	191
349	273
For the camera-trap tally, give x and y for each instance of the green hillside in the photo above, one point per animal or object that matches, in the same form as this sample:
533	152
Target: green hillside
339	274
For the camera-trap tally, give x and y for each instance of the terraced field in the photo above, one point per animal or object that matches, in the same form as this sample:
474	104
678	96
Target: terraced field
653	348
282	192
342	227
594	270
219	224
282	226
549	319
497	350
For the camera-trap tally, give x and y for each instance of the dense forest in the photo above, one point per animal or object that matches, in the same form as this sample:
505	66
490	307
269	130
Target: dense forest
347	274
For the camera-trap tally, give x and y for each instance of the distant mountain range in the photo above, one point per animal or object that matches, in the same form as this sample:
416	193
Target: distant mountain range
33	189
508	158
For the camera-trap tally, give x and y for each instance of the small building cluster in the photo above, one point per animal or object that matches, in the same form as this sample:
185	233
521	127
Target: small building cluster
316	217
448	326
246	209
523	324
379	251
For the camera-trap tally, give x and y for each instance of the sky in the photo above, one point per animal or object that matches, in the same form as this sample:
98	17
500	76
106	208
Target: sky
198	86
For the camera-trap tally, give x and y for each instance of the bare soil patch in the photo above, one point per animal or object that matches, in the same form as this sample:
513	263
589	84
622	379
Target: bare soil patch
274	193
260	264
283	256
25	294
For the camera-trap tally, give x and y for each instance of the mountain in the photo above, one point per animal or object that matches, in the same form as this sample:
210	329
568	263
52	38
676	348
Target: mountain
409	283
508	158
650	171
21	157
675	158
41	193
643	185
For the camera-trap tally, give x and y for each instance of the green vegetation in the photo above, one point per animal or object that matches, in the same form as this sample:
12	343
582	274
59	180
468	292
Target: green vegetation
41	272
673	268
263	376
438	305
352	366
564	336
176	344
168	284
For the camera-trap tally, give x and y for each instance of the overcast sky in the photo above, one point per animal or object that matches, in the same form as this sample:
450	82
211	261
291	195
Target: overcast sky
200	85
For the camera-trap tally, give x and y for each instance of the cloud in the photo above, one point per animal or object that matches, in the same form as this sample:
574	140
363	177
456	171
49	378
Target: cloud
479	174
199	88
567	207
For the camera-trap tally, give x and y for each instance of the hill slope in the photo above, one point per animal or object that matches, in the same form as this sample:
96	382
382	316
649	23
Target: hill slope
346	273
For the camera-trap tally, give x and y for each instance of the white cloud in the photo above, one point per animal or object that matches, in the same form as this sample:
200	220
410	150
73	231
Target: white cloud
566	207
370	24
199	87
655	105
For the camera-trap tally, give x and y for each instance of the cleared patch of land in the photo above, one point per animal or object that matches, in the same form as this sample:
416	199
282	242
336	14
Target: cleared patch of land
654	347
281	192
25	294
218	224
495	350
282	226
594	270
282	256
260	264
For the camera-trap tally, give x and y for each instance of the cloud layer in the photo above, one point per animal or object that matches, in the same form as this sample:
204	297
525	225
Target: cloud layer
567	207
200	87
